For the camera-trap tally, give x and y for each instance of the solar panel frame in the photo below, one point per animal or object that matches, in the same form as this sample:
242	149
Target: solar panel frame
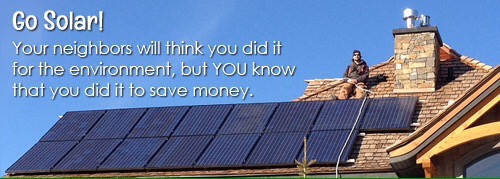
116	123
179	152
87	155
248	118
42	157
389	114
325	146
203	120
294	116
159	122
132	154
276	149
335	115
228	151
73	125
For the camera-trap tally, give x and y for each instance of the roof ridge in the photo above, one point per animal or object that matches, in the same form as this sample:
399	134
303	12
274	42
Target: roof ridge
327	87
475	63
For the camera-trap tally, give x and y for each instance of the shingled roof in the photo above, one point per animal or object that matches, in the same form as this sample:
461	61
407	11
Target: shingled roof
457	74
465	73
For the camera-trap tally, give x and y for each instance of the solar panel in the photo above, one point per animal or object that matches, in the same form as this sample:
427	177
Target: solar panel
275	149
338	115
203	120
159	122
73	126
42	157
87	155
115	124
389	114
294	116
132	154
325	146
228	151
179	152
248	118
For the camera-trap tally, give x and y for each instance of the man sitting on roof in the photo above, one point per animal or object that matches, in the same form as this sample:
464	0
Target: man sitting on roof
356	75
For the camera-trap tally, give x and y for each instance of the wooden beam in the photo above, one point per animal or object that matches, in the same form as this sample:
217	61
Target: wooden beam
461	134
429	169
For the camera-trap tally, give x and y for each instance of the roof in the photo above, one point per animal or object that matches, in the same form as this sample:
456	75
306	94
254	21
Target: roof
369	151
465	73
455	126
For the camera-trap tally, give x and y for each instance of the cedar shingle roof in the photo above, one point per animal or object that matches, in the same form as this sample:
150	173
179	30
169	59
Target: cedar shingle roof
465	73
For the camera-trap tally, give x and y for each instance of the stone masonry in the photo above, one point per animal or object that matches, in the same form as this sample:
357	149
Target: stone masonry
416	59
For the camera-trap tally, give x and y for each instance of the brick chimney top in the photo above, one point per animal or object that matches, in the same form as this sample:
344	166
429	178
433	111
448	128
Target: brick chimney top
416	52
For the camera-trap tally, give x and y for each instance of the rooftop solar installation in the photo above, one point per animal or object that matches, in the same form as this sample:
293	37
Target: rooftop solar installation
159	122
116	124
338	115
203	120
180	152
228	151
73	125
87	155
248	118
385	114
132	154
210	136
325	146
42	157
276	149
294	116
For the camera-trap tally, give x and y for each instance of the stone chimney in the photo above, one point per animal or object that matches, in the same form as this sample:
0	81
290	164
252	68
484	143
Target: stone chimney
416	52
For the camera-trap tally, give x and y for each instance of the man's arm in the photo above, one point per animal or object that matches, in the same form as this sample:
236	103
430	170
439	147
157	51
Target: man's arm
364	77
346	73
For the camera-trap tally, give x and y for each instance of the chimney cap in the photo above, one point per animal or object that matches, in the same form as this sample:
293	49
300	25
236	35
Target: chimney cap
418	30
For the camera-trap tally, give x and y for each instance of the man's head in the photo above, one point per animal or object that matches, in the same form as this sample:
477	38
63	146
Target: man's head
356	55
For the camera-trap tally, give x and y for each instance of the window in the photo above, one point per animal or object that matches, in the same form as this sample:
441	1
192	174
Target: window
486	166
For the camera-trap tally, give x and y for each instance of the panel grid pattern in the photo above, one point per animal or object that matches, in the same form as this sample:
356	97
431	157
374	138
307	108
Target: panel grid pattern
42	157
159	122
276	149
228	150
211	136
203	120
180	152
338	115
295	116
389	114
73	126
248	118
87	155
325	146
132	154
115	124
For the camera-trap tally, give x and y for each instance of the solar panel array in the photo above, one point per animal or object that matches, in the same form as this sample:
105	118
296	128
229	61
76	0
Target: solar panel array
211	136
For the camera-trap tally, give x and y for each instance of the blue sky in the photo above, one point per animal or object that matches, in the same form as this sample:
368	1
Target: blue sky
318	38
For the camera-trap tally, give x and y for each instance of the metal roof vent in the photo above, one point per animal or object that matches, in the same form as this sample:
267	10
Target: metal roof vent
411	15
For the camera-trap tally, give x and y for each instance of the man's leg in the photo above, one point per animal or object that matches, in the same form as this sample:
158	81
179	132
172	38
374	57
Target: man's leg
345	91
359	92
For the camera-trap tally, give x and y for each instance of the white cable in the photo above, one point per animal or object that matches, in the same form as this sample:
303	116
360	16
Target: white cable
348	137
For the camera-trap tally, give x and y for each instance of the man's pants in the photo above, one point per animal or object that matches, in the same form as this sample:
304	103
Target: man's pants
347	88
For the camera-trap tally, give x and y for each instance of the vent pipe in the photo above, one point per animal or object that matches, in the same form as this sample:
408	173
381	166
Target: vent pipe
411	15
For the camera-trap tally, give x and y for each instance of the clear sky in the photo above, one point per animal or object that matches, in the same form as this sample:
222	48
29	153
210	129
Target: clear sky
318	38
